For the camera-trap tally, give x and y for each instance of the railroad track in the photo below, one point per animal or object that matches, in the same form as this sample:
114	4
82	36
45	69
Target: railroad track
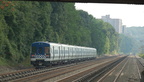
29	73
125	71
138	59
76	77
140	62
112	70
90	77
60	73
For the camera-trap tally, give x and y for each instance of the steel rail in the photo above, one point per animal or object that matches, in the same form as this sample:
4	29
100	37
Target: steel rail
102	78
120	71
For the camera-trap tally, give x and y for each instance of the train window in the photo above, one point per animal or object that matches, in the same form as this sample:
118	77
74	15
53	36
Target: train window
55	51
47	50
33	50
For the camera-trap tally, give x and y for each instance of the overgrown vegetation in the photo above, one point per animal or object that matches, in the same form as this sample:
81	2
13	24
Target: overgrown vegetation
24	22
127	44
132	41
141	55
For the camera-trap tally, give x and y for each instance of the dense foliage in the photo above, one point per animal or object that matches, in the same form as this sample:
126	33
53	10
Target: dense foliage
132	41
127	44
24	22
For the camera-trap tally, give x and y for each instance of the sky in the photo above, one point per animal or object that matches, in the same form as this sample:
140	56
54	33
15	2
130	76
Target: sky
131	15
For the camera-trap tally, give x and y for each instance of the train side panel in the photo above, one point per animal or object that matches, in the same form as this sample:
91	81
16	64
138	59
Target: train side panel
53	53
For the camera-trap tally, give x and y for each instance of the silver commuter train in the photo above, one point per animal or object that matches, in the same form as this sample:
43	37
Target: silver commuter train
47	53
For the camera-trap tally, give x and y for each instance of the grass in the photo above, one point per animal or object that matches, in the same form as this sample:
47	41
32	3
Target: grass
26	62
141	55
23	64
3	62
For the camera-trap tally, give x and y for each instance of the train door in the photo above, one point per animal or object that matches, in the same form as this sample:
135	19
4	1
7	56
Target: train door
53	53
81	52
72	52
64	53
59	52
68	53
40	51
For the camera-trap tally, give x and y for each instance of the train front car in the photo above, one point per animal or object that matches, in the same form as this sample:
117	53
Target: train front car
40	53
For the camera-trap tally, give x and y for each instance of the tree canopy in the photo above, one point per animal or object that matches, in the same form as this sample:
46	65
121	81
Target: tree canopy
25	22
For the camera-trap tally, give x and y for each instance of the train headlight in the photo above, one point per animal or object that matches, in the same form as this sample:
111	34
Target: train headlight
32	56
47	56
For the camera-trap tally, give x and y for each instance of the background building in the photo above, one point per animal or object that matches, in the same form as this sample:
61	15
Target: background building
116	23
123	28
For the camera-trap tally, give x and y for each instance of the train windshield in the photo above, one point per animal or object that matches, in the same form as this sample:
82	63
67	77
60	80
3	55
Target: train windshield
40	50
33	50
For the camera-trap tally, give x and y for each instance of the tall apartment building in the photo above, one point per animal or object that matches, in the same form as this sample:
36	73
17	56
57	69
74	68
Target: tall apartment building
123	28
116	23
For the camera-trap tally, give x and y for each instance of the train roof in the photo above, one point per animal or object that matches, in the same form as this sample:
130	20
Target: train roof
51	43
